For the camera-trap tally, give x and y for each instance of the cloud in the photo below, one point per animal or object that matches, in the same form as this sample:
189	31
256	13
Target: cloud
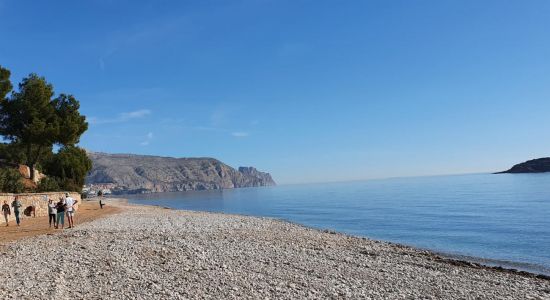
134	114
218	124
135	35
147	140
208	128
121	118
239	134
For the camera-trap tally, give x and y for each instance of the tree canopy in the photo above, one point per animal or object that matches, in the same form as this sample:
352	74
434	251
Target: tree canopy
5	83
34	120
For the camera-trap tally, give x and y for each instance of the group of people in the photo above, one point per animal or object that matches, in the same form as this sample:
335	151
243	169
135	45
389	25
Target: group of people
56	211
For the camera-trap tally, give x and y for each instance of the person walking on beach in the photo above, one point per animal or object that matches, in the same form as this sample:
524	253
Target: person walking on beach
52	213
6	211
16	204
70	203
60	206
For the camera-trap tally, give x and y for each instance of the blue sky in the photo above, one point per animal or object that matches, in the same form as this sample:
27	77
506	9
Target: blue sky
307	90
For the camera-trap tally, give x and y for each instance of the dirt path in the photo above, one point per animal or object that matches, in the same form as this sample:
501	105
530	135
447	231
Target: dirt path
87	211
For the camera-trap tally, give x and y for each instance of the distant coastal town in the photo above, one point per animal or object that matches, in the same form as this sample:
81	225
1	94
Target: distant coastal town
94	190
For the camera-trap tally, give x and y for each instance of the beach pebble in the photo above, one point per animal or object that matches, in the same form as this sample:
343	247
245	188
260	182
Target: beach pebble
153	253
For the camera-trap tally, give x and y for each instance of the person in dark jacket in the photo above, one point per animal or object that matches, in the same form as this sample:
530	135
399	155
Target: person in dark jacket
6	211
60	206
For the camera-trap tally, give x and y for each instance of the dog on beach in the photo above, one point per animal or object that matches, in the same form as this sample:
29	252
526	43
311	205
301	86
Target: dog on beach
30	210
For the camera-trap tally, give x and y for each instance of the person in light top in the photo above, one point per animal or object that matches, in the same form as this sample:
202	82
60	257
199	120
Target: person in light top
16	204
70	203
52	213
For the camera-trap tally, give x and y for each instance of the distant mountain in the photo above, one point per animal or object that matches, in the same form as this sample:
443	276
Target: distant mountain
128	173
539	165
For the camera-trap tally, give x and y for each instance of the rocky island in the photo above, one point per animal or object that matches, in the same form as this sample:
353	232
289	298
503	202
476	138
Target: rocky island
539	165
129	173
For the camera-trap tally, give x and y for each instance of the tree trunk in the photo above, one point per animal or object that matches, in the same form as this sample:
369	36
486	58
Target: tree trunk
32	162
31	170
29	163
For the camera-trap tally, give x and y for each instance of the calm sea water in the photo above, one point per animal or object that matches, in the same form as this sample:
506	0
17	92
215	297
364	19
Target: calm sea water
502	219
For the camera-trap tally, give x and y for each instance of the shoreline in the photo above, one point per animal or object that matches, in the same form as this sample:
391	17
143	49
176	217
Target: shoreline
150	252
453	259
537	271
498	265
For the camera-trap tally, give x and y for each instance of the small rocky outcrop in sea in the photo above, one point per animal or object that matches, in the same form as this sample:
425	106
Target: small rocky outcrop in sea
539	165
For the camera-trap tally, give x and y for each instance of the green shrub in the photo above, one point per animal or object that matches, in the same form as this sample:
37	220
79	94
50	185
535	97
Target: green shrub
70	185
48	184
56	184
70	166
10	181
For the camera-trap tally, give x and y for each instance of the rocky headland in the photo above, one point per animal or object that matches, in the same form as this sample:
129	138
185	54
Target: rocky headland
129	173
539	165
155	253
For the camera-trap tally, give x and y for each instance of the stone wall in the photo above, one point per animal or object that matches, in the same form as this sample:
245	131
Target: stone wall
34	199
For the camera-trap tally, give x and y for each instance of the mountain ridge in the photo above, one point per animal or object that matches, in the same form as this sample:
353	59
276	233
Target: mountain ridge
134	173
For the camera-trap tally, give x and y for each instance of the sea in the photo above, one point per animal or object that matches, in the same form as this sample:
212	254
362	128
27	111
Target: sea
497	220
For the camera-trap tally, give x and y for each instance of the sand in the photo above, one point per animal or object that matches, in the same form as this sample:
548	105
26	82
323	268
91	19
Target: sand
30	226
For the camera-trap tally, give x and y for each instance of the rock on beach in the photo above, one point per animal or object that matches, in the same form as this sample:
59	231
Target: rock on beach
154	253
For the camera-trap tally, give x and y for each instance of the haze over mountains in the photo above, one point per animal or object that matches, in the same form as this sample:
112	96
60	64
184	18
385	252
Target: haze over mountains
129	173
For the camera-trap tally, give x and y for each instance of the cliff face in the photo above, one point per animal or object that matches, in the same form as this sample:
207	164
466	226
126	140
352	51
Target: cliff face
539	165
254	176
143	174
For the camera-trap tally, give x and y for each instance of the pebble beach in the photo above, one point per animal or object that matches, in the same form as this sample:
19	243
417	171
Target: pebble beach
145	252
